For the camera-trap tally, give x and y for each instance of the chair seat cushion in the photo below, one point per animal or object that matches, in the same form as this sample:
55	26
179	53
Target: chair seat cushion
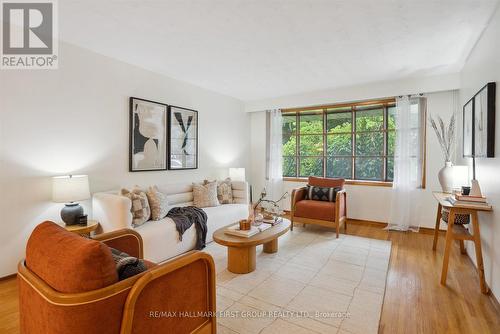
315	210
68	262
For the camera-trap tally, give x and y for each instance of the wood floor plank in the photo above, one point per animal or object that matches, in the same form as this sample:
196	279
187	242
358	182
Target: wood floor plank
414	301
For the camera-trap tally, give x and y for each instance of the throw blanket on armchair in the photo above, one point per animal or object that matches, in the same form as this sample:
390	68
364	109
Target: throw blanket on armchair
184	217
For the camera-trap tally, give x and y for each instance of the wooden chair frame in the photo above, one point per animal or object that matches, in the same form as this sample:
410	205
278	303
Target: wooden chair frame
134	284
339	220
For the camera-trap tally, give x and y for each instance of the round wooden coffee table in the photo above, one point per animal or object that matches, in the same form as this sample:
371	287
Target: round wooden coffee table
241	252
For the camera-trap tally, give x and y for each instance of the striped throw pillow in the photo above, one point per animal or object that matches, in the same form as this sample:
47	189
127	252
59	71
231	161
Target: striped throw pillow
325	194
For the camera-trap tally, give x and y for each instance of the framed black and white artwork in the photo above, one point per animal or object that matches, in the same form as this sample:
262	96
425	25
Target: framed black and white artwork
148	135
479	124
183	140
468	134
484	122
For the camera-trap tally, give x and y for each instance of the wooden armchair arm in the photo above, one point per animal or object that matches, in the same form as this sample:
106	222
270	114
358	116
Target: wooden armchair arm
126	240
177	296
341	205
298	194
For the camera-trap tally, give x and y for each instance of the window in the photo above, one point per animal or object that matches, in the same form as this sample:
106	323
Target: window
354	141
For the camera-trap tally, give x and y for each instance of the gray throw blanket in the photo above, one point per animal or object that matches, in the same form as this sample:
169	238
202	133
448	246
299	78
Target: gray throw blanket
184	217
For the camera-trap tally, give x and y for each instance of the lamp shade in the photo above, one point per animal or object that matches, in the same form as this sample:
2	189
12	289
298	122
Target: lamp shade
237	174
460	176
70	188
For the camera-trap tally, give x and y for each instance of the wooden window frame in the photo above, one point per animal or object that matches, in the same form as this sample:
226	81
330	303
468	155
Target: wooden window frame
385	104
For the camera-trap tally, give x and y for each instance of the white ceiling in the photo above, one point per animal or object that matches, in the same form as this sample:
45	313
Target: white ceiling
261	49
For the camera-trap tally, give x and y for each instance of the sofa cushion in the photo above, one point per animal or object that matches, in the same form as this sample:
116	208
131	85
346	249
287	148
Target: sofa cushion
161	239
224	215
315	210
141	212
157	202
326	182
68	262
225	191
205	195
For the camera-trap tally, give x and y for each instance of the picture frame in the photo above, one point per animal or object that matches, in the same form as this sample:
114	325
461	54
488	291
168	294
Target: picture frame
484	122
468	131
479	123
148	137
183	138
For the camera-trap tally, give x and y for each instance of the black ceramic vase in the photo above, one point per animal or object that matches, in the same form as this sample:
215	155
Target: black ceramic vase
71	213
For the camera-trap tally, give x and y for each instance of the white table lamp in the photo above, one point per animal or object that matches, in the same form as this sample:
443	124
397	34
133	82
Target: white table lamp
237	174
70	189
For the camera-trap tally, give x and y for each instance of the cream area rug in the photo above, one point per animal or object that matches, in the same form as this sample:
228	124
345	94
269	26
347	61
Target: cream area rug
315	283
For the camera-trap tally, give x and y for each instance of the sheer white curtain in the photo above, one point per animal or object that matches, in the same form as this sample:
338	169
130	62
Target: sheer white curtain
409	119
274	184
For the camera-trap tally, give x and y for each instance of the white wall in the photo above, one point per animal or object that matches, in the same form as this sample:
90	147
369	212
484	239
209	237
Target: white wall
368	202
483	66
373	90
75	120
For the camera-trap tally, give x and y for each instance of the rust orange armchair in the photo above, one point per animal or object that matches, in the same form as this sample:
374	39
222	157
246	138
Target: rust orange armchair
69	284
329	214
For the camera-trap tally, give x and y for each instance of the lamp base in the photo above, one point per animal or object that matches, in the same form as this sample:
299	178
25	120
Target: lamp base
71	213
475	189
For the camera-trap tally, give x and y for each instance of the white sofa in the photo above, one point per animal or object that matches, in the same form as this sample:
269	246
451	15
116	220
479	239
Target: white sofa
161	239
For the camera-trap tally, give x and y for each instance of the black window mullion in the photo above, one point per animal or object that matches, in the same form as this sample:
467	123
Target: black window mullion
297	144
384	160
324	142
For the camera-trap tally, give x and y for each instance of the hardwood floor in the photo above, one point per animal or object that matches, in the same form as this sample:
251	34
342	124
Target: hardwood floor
414	301
9	306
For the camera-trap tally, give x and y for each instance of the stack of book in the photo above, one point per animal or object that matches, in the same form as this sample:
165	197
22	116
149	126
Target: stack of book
235	230
468	201
274	221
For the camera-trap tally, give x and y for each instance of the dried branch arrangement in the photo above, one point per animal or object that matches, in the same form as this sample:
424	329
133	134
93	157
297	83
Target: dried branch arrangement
445	135
263	199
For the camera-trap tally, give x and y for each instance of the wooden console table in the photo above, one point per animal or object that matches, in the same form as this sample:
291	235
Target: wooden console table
460	233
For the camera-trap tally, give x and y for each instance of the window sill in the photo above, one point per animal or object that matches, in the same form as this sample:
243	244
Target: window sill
349	182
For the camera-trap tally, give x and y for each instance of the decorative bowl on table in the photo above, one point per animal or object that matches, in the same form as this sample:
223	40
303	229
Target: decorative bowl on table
268	215
258	219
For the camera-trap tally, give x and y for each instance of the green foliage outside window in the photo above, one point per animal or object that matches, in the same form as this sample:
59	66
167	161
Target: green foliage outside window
308	156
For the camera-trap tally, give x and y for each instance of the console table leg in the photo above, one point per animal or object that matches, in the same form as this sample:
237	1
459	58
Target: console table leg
436	228
447	247
479	253
462	247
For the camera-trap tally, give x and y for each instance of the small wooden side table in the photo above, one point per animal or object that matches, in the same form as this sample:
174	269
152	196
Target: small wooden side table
460	233
83	230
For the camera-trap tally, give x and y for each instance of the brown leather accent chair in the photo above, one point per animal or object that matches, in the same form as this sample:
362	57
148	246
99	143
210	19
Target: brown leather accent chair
69	284
329	214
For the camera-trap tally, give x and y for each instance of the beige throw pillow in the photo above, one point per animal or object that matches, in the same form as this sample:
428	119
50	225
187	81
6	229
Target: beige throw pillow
140	207
158	203
205	195
225	191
